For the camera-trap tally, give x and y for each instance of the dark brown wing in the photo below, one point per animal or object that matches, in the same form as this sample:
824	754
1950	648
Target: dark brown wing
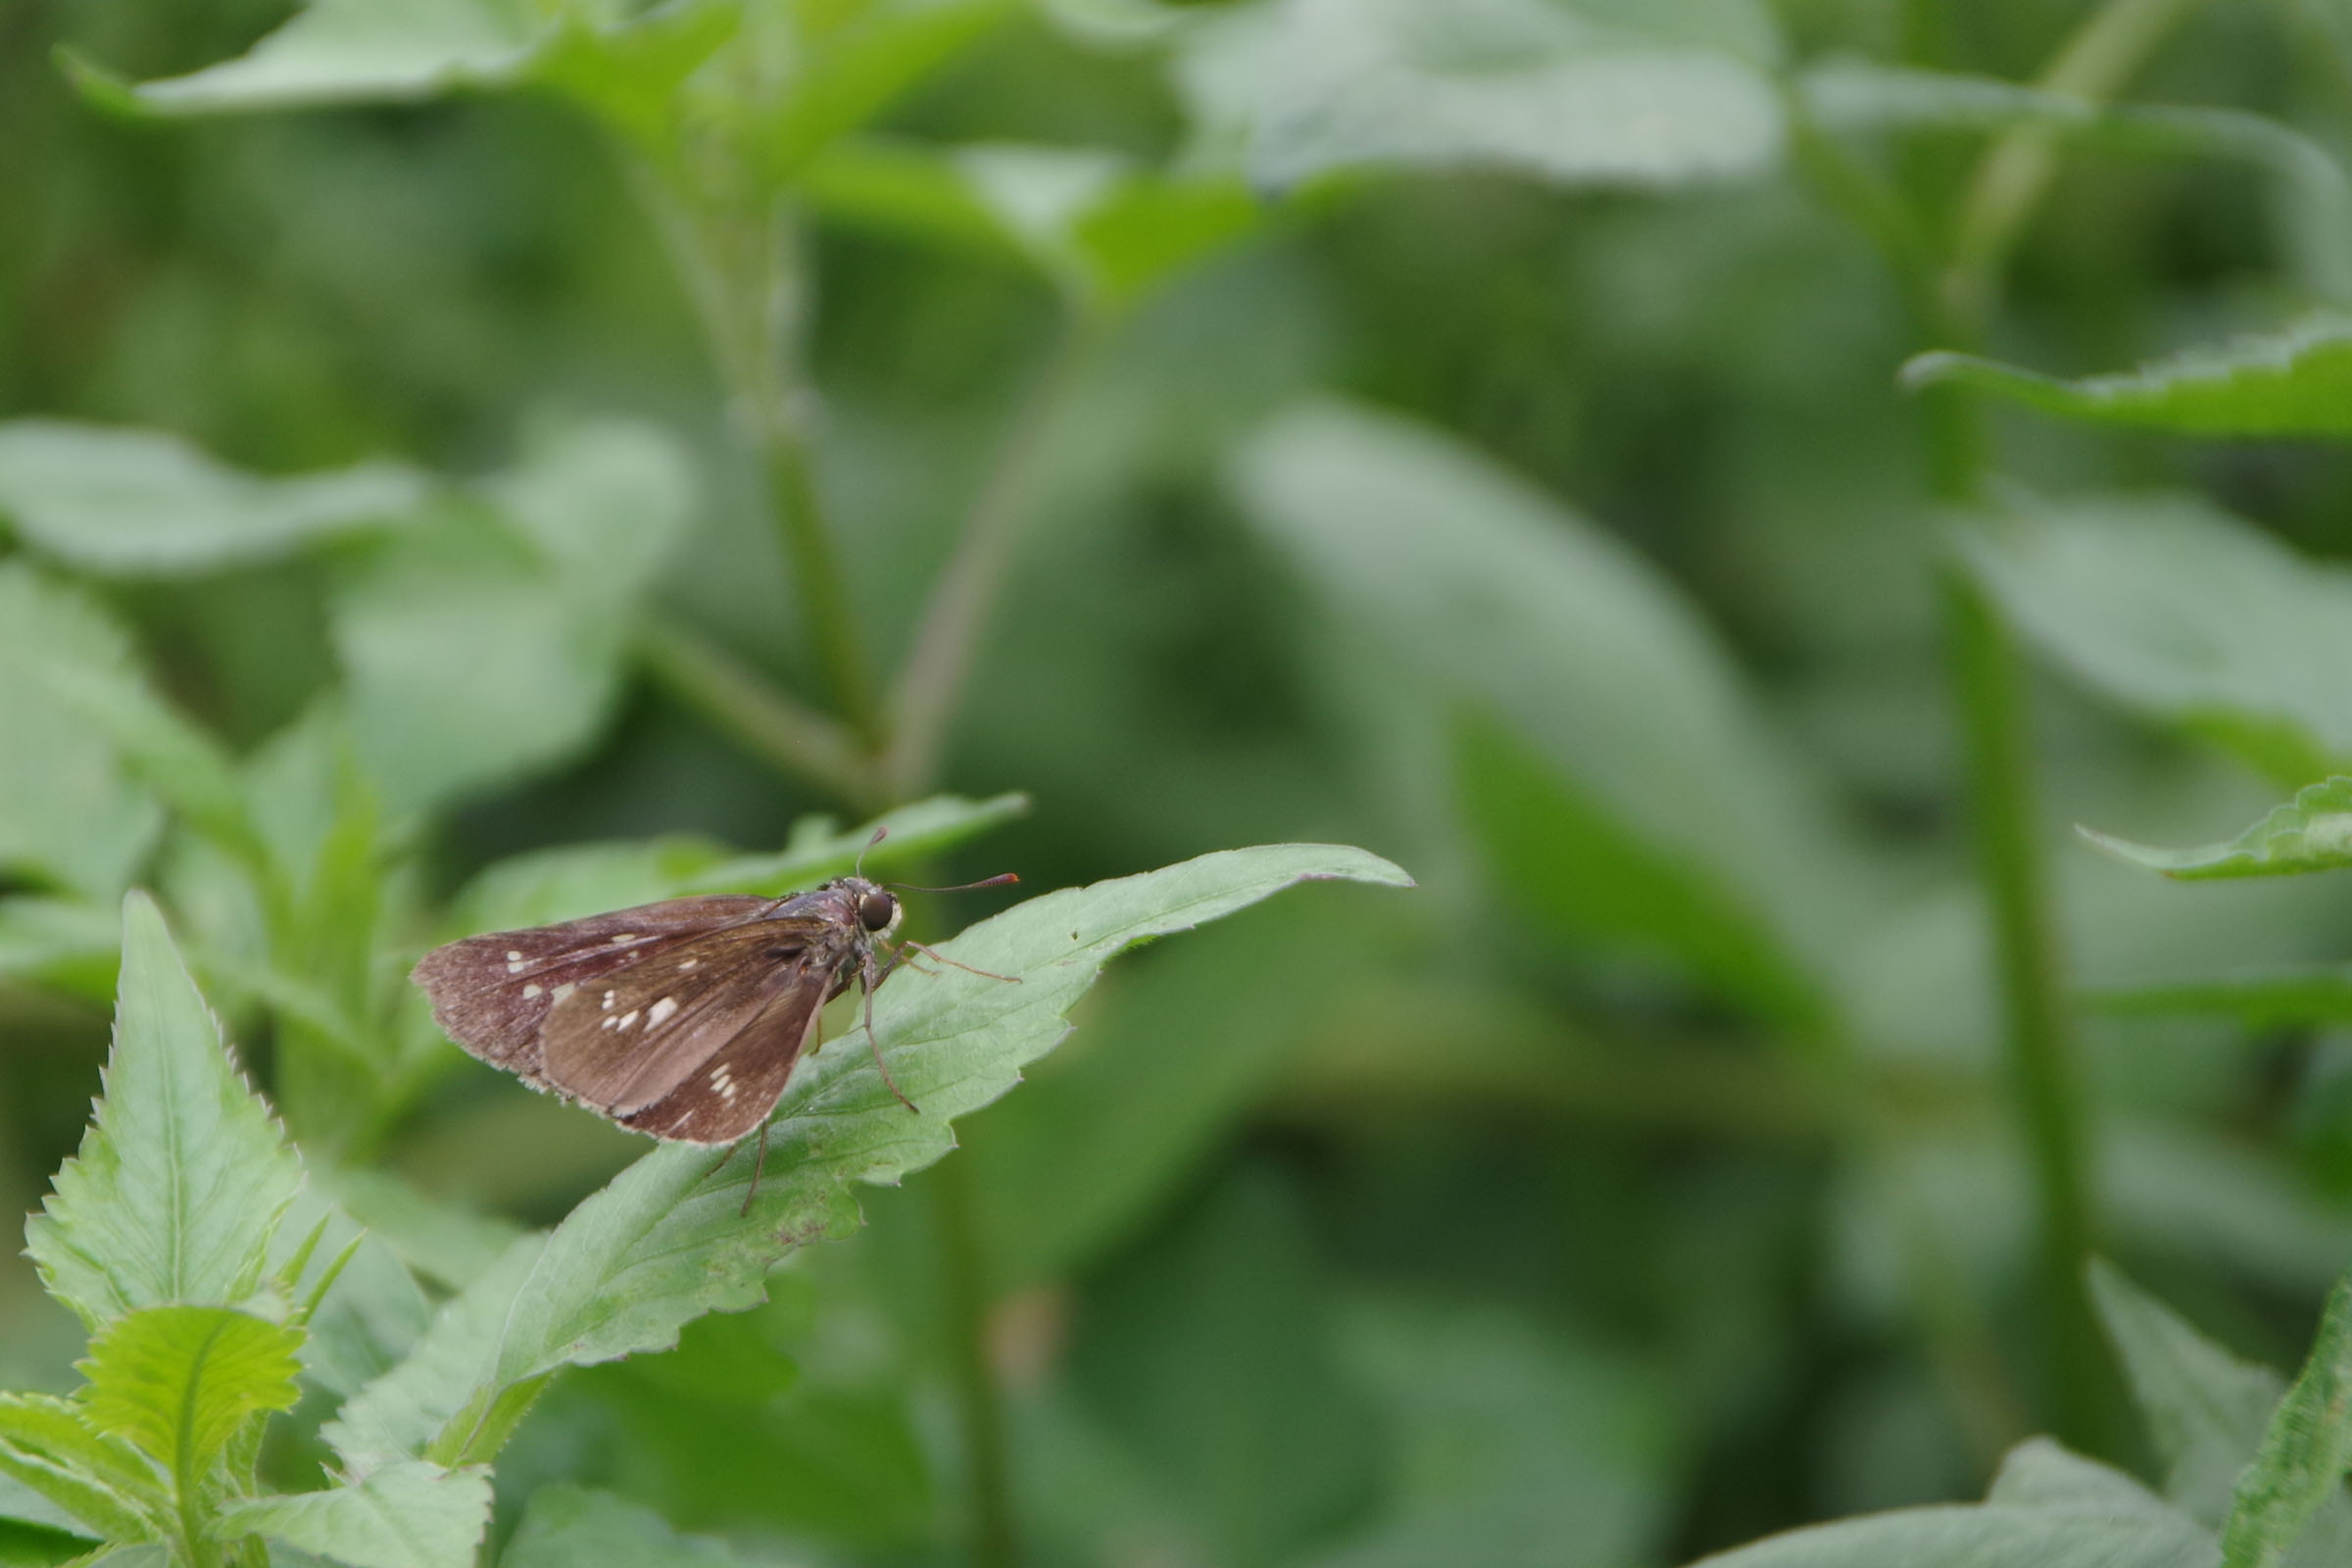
492	994
729	1095
633	1038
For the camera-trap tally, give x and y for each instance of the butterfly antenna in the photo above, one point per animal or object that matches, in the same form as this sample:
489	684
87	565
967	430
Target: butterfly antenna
881	832
960	887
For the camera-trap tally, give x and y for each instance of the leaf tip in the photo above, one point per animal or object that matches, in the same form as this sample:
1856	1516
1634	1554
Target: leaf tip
99	87
2146	856
1931	368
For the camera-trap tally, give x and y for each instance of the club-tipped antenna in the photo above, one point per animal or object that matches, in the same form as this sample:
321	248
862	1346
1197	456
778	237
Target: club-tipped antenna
960	887
881	832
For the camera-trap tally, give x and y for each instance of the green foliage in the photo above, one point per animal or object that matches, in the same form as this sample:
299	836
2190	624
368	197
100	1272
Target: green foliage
2311	833
139	503
2299	1469
1585	94
182	1176
2185	613
468	464
179	1382
566	1527
2295	383
1619	714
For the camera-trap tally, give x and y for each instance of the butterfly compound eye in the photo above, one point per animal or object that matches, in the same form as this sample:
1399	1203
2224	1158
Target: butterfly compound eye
876	911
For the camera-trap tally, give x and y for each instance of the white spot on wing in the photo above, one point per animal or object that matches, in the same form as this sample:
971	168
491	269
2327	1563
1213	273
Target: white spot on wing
689	963
626	1019
607	1002
528	992
662	1010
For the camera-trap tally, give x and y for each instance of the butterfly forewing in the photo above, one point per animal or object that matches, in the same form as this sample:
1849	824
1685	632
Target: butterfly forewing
631	1038
493	994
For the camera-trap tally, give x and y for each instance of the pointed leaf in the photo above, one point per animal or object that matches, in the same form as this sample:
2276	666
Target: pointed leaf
1108	232
1990	1536
2205	1409
100	1480
182	1176
545	885
481	647
664	1243
2186	615
2295	383
69	810
1588	93
360	51
564	1527
405	1515
147	504
178	1382
2300	1467
2311	833
1604	716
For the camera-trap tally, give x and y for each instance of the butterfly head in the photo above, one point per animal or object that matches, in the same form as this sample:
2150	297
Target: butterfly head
878	909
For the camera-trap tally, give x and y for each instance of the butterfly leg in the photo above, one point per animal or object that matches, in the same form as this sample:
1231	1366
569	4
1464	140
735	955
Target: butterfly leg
874	1042
938	957
758	1164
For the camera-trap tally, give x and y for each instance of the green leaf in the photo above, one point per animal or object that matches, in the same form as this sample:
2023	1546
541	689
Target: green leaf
2093	1532
817	850
1514	1447
2185	613
1108	233
1517	610
1576	94
664	1243
147	504
2311	206
2300	1467
21	1504
2205	1409
2039	1473
362	51
566	1527
178	1382
403	1516
854	61
545	885
2311	833
182	1177
192	772
98	1479
476	652
2295	383
68	811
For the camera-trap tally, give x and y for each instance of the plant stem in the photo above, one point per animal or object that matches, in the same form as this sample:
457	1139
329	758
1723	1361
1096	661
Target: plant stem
766	720
924	701
988	1475
2015	174
2041	1054
739	254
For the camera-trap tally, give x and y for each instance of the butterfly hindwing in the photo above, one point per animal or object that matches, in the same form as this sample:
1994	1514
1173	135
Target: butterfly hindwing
632	1037
493	994
730	1094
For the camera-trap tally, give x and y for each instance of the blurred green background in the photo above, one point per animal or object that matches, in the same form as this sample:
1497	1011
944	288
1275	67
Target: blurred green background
1467	431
